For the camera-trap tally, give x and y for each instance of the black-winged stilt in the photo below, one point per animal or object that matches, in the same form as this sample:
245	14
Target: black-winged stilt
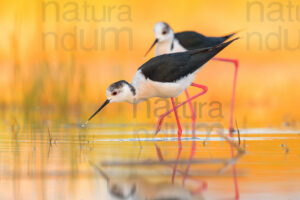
165	76
169	42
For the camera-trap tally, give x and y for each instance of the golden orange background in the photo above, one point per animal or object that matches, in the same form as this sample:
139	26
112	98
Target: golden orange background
71	81
45	91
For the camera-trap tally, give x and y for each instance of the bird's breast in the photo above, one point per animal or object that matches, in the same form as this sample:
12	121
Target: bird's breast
163	48
169	47
177	47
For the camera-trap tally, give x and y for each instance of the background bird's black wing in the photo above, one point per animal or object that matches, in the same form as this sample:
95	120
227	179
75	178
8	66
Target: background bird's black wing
191	40
172	67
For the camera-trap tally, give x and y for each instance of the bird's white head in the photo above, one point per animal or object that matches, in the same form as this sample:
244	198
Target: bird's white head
163	32
118	92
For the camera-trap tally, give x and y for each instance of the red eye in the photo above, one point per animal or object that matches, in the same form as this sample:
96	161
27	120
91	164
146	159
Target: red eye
114	93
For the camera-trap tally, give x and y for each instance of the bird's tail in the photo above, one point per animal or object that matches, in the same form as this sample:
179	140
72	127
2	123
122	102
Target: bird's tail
226	37
202	56
214	50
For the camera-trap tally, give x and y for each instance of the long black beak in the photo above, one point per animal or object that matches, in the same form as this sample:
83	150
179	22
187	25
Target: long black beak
103	105
154	43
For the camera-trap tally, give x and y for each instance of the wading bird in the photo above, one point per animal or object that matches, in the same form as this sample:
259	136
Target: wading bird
165	76
169	42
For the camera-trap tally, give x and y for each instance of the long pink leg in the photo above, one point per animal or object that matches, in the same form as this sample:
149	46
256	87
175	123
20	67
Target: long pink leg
202	184
193	151
194	142
179	126
161	118
179	138
192	113
193	135
236	64
177	119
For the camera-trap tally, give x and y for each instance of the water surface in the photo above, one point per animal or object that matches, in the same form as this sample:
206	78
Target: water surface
75	163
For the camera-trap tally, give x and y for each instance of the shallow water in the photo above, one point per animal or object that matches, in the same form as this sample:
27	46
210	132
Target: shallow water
69	163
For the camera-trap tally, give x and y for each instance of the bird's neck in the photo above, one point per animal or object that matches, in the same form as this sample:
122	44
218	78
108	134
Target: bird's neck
165	46
132	96
138	94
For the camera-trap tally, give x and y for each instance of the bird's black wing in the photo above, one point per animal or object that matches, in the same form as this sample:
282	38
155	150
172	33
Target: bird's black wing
191	40
172	67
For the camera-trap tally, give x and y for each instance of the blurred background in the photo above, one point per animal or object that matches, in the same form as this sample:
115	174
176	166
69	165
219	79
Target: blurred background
58	57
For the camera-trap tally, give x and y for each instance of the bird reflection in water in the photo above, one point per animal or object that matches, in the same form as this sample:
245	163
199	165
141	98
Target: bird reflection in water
137	188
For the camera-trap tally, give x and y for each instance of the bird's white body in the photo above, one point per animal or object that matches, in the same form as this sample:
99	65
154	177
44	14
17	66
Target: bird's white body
146	88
